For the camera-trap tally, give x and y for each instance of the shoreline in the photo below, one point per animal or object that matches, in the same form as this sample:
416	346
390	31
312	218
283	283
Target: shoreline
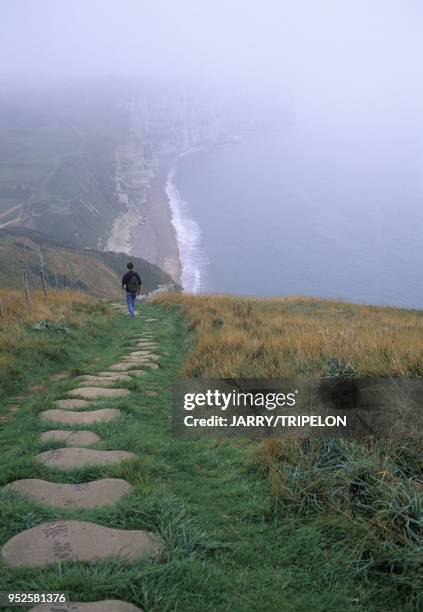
154	237
193	259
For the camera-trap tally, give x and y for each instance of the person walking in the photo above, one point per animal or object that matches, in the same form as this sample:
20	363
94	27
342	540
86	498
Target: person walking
131	283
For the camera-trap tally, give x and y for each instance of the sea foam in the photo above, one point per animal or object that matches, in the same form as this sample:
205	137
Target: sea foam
188	235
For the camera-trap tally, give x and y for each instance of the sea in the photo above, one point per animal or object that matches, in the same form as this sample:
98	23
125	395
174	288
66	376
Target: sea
302	210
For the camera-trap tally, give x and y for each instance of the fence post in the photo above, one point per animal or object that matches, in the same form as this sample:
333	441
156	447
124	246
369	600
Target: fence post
25	282
43	280
1	310
64	281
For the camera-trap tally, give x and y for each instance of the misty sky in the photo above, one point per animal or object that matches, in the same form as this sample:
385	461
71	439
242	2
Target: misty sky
337	54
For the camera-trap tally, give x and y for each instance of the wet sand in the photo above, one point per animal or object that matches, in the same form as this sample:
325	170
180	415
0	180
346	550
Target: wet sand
155	239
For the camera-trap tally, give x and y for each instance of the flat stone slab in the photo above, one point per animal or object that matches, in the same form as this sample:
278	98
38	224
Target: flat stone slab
139	359
80	418
94	392
152	356
104	379
139	362
146	348
87	495
121	366
150	364
77	541
109	605
72	438
68	458
137	372
71	404
107	375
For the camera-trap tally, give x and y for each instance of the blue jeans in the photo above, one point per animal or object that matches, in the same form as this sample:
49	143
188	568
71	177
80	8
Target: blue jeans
130	300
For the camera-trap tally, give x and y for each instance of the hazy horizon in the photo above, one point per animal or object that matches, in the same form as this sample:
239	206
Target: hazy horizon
348	76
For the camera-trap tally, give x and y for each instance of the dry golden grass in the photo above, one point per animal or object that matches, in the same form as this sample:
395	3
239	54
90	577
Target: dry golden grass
18	313
365	493
57	305
282	337
19	346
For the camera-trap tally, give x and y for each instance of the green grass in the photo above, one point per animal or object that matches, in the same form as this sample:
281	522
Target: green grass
228	546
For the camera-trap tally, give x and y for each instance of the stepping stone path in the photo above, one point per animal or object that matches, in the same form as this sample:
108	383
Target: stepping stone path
72	438
122	366
95	392
130	373
87	495
62	540
71	404
68	458
110	605
98	379
80	418
104	381
136	360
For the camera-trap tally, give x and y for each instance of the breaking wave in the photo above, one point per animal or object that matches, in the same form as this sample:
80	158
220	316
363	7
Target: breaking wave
188	235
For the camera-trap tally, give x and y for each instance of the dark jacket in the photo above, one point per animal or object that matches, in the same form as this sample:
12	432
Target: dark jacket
127	277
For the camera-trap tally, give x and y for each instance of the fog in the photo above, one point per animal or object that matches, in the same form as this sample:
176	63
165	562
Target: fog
335	59
343	79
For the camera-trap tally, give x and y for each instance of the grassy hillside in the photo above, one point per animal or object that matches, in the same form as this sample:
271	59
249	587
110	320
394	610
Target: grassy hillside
24	351
363	496
98	272
282	337
328	526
